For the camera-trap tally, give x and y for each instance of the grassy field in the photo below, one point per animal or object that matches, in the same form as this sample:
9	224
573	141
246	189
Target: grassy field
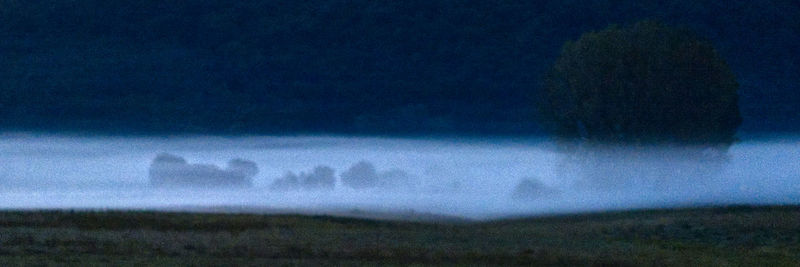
719	236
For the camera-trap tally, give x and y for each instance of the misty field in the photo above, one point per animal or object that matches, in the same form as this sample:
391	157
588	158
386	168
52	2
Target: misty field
719	236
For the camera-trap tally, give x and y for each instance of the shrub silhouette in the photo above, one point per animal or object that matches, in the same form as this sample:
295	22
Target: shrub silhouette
320	178
169	170
642	84
363	175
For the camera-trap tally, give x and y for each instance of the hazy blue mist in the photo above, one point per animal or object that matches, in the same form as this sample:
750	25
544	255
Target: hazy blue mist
471	178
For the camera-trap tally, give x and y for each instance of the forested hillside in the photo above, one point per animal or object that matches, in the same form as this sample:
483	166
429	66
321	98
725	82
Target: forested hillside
353	67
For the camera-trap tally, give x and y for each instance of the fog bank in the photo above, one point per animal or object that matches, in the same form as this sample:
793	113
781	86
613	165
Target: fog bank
469	178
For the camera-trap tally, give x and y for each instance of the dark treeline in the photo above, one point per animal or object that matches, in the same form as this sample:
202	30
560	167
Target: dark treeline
355	66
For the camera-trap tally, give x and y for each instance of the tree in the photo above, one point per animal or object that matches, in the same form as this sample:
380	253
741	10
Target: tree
363	175
320	178
168	170
646	83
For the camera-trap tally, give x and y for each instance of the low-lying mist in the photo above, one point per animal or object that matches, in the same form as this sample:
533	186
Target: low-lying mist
470	178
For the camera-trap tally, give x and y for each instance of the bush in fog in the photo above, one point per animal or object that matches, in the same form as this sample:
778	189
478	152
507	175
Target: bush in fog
533	189
360	175
363	175
321	178
642	84
171	170
245	167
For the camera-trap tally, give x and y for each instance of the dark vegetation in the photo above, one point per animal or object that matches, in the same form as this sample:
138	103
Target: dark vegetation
645	83
649	87
726	236
363	175
368	67
321	178
168	170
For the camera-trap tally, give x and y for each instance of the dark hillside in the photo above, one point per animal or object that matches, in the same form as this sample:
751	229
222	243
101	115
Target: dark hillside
725	236
364	67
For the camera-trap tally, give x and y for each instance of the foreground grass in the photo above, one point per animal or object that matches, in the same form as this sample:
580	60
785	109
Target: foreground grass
735	236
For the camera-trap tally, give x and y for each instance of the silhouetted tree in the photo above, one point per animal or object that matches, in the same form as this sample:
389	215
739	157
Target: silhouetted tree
321	178
360	175
363	175
168	170
642	84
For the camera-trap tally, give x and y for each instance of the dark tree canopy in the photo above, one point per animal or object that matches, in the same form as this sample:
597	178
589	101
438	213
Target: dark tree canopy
645	83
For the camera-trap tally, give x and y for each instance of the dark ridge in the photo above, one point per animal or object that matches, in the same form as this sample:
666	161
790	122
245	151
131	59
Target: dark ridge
345	67
172	221
644	214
